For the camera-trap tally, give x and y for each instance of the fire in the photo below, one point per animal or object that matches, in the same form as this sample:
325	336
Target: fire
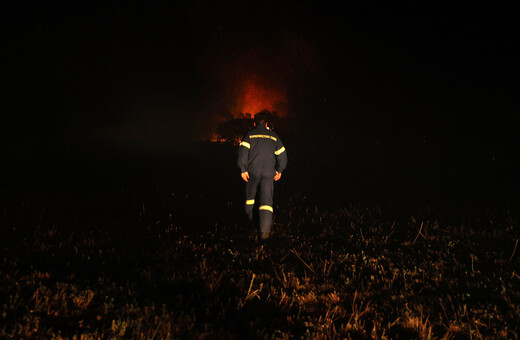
253	97
216	138
249	96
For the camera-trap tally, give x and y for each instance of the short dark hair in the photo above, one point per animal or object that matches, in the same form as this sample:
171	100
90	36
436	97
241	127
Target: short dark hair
262	117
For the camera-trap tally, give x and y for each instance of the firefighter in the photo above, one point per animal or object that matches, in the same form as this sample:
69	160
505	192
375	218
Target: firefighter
262	159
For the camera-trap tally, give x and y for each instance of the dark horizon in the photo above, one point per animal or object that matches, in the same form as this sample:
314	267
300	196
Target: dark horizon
406	88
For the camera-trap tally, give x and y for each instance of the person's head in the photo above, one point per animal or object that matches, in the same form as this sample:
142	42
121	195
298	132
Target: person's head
262	117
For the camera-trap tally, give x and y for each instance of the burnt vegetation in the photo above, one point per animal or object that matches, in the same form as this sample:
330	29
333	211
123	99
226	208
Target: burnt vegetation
166	256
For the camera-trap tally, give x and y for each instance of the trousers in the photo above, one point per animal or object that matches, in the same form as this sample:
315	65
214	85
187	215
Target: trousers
265	210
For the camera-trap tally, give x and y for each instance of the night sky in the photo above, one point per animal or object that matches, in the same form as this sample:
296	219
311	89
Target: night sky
163	74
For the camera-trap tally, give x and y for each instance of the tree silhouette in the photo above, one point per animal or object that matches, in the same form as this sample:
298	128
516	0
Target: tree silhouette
232	130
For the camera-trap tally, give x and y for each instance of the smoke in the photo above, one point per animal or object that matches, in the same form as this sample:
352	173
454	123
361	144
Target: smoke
224	81
273	74
254	95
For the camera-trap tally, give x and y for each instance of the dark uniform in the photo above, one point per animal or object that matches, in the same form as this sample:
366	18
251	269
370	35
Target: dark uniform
261	153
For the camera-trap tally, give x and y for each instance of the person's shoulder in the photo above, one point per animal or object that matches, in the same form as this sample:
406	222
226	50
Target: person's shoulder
250	132
274	134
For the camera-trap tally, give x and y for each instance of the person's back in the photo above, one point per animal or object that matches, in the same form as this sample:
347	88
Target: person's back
264	146
262	159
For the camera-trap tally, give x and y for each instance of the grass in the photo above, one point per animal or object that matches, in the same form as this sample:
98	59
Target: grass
183	266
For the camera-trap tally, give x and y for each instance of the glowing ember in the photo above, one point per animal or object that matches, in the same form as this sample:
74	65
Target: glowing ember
216	138
253	97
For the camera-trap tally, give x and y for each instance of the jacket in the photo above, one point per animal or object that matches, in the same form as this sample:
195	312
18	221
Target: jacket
262	152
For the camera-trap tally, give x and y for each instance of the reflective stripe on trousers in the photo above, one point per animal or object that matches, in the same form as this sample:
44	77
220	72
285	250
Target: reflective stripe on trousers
266	186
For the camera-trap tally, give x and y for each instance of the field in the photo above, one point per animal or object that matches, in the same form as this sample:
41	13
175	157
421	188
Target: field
154	261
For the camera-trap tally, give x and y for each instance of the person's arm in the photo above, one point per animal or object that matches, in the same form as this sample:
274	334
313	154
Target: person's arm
281	159
243	157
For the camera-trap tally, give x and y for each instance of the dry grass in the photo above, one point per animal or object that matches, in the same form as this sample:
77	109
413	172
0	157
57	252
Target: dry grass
348	272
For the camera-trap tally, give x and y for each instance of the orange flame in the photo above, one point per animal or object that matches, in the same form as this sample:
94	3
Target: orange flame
254	97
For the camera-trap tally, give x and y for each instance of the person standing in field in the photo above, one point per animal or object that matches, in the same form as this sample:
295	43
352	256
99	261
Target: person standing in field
262	159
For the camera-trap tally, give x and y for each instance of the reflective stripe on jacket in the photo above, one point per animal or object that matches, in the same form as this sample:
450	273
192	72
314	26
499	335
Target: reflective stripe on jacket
261	151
